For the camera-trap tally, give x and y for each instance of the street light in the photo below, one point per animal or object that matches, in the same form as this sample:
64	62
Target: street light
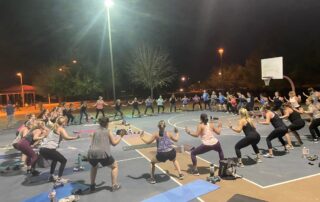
183	78
19	74
220	51
74	61
108	4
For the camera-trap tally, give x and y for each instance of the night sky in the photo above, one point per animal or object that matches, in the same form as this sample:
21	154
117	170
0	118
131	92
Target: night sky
37	33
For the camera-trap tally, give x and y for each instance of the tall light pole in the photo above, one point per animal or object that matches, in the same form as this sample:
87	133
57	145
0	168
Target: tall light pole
108	4
19	74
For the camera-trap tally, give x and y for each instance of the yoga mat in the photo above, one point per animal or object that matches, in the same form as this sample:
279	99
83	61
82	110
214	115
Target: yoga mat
61	192
185	193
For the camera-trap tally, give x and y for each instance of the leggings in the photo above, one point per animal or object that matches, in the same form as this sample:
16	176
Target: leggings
55	156
147	107
98	111
252	140
277	133
70	118
196	103
24	146
207	103
134	109
173	105
205	148
118	111
83	113
314	128
160	107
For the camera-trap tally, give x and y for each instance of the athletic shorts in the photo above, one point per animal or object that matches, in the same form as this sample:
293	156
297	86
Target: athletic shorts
164	156
104	162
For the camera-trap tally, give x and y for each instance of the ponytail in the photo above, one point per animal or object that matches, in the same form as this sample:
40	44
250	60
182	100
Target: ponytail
244	114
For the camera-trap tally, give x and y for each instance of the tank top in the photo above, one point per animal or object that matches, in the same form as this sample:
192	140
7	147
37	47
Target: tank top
276	121
118	107
315	111
148	102
249	130
164	143
173	100
160	102
51	141
100	144
29	136
135	104
83	107
277	102
294	116
207	136
99	104
294	102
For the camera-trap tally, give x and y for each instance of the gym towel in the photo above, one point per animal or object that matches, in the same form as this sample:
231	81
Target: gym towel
61	192
185	193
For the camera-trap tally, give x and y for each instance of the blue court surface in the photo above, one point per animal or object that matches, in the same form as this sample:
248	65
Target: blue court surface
134	168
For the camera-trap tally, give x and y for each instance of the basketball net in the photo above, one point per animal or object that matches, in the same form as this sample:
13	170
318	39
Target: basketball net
266	80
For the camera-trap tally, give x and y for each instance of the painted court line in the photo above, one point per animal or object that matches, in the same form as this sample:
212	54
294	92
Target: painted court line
130	159
176	181
286	182
241	178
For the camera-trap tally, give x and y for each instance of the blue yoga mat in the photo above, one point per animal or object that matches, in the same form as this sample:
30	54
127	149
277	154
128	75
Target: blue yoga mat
61	192
185	193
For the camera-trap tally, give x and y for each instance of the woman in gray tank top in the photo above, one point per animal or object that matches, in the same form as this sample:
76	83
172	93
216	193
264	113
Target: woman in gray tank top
99	152
165	150
48	149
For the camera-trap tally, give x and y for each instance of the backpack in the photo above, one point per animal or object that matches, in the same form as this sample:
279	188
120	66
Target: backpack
227	169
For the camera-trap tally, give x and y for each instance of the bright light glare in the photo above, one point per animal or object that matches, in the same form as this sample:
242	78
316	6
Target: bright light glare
181	89
183	78
220	73
221	50
19	74
108	3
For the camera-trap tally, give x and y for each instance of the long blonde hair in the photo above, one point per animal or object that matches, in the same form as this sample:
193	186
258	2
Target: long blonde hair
59	122
245	115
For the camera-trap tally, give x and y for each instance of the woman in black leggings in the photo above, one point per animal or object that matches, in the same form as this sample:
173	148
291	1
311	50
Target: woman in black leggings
314	111
296	122
49	149
252	137
280	130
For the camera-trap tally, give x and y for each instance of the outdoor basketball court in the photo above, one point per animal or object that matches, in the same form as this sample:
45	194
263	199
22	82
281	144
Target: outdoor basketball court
287	176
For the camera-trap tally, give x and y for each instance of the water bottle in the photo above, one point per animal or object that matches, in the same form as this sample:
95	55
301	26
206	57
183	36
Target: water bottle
182	148
211	170
304	152
52	196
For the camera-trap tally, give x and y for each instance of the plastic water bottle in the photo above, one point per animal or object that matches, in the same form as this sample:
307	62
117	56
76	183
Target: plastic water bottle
211	170
52	196
304	152
182	148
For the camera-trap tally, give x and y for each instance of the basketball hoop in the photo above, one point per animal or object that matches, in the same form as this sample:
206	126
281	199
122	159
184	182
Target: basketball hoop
266	80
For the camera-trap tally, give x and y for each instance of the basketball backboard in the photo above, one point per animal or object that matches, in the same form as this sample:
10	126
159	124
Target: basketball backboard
272	67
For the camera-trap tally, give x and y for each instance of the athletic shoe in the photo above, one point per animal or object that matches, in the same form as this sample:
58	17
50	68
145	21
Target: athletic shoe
258	160
268	155
35	173
289	147
61	180
181	176
92	187
52	178
195	172
240	165
115	187
315	140
151	180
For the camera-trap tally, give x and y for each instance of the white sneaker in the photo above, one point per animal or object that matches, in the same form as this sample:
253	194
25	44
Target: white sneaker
268	155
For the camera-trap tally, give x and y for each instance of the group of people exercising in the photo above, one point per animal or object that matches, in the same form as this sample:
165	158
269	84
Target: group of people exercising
48	131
